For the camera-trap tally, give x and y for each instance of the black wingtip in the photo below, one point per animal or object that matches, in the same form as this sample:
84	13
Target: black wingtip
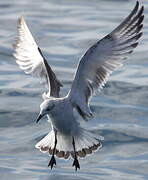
135	45
141	19
141	11
137	3
135	8
130	51
143	8
140	34
140	27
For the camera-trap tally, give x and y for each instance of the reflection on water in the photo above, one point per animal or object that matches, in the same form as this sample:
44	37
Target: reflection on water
64	30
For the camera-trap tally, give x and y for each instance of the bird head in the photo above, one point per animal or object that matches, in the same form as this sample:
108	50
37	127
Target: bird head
45	108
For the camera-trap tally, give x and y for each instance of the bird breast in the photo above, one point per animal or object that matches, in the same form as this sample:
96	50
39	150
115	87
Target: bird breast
62	117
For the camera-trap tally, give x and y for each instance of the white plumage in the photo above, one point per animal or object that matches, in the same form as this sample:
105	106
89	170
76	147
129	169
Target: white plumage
67	137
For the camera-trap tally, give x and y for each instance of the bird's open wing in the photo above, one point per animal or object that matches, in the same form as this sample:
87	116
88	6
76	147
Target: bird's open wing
31	60
103	58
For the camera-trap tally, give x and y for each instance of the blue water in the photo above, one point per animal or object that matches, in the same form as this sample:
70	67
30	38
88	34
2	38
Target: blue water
64	30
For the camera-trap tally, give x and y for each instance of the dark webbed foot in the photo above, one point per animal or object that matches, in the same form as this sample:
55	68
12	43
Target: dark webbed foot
52	162
76	164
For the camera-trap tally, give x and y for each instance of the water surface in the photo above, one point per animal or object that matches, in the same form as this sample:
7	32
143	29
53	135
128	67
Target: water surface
64	30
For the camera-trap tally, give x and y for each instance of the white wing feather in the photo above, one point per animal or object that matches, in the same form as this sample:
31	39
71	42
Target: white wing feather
103	58
30	58
26	50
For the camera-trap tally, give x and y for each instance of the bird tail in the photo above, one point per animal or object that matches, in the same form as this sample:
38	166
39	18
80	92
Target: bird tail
86	143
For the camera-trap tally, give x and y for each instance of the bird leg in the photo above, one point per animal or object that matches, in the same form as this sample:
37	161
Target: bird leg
75	162
52	161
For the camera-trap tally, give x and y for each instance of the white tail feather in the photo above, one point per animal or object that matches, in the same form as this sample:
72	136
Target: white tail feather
85	143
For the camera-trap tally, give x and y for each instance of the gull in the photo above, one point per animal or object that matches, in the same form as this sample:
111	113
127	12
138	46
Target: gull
67	138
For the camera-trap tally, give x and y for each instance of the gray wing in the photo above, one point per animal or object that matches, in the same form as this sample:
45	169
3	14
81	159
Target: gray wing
31	60
103	58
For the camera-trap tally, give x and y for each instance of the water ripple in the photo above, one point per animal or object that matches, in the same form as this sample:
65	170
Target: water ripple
64	30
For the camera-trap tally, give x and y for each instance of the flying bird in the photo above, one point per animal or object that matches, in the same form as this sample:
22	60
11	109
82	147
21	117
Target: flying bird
67	138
